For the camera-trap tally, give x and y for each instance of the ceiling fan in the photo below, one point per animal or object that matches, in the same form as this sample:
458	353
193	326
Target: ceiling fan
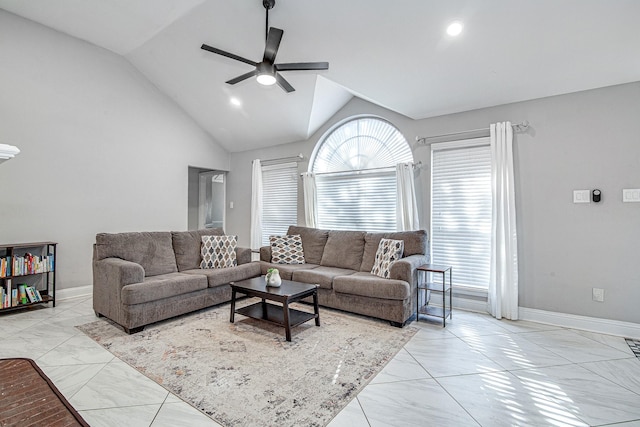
267	72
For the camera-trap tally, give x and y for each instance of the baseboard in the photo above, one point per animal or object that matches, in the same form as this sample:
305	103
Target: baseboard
461	303
593	324
78	291
470	304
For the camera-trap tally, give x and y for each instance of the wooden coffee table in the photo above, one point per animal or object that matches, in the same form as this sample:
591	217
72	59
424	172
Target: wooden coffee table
287	293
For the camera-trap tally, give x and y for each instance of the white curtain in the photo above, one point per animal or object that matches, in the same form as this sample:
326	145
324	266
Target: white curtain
503	282
406	208
310	199
256	205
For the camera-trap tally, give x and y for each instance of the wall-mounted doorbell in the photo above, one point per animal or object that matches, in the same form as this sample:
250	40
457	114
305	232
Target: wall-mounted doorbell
595	195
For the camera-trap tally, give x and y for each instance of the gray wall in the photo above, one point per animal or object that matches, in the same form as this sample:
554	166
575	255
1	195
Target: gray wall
583	140
102	149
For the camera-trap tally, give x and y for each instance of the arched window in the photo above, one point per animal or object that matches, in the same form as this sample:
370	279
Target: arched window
354	167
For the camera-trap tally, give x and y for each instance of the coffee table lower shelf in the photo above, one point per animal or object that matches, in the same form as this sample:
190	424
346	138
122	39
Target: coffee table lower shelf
275	314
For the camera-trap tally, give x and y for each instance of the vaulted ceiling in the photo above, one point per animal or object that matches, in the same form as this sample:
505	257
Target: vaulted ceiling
392	53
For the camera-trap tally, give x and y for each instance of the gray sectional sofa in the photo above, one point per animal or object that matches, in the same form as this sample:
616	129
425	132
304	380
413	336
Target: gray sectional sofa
340	262
141	278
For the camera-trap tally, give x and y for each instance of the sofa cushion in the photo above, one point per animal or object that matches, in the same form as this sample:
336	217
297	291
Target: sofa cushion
152	250
371	242
389	251
286	270
415	243
162	286
186	245
218	252
344	249
369	285
286	249
322	276
223	276
313	242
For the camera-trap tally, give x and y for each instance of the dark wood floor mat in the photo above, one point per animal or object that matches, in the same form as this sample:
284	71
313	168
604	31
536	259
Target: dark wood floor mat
29	398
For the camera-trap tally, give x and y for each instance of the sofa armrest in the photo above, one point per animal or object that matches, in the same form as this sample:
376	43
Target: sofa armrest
406	269
110	275
265	253
118	272
243	255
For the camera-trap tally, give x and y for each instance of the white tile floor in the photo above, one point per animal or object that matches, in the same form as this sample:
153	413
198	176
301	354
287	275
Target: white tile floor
476	372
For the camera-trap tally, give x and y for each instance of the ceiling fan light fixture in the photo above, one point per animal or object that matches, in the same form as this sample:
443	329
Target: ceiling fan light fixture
266	74
266	79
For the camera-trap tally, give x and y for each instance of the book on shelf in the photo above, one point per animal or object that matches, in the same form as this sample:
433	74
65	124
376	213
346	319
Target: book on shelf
22	294
9	295
31	294
5	267
38	295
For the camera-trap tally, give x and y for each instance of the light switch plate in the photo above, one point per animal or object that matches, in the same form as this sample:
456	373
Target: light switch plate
581	196
598	294
631	195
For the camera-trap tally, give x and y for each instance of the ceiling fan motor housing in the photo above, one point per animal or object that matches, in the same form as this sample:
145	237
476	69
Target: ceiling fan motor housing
266	68
268	4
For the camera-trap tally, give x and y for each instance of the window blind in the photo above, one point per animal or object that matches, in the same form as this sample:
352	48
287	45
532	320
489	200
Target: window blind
279	199
357	201
461	211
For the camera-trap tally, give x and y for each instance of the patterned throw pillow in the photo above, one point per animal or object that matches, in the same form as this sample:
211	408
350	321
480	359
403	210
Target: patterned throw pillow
389	250
286	249
218	251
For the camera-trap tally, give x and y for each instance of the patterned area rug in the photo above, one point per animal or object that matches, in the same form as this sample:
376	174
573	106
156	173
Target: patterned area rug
247	374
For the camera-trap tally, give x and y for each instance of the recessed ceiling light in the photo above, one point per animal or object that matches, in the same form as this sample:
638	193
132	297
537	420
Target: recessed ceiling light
455	28
235	101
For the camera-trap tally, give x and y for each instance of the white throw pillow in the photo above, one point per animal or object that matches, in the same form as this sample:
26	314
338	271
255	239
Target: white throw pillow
388	252
286	249
218	251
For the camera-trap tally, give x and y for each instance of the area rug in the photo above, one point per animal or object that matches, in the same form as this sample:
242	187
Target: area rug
29	398
246	373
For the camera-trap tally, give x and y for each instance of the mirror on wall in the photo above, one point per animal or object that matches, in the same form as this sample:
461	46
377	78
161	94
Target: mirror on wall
207	195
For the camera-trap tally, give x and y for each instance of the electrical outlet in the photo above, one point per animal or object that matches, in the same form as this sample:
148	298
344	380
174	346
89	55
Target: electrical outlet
598	294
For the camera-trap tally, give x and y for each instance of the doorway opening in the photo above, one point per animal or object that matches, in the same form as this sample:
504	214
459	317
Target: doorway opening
207	198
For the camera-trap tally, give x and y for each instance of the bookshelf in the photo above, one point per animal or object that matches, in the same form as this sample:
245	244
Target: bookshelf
27	275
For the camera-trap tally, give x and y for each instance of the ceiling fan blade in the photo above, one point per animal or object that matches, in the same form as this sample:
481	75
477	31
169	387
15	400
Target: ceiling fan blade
283	83
228	55
242	77
273	42
298	66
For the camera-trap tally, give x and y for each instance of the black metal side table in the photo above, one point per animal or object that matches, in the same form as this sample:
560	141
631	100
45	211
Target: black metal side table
425	285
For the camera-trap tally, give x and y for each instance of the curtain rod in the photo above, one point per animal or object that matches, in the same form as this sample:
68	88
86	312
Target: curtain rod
467	134
384	168
297	158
